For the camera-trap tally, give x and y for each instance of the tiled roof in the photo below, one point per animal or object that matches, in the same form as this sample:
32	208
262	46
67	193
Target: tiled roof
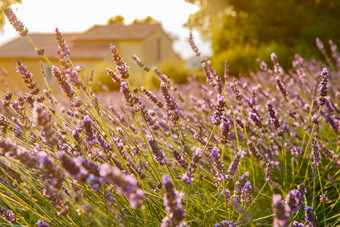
22	48
118	32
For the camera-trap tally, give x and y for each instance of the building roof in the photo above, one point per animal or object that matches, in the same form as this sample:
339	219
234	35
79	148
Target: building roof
22	48
118	32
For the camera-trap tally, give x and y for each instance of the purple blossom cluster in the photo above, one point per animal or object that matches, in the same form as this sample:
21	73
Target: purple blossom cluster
15	22
158	153
121	66
107	159
188	176
172	202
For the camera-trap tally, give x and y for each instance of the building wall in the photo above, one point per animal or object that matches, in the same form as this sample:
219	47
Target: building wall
15	80
157	48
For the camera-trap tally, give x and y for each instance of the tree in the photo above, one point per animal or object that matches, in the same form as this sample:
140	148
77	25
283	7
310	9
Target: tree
243	30
3	5
116	20
146	20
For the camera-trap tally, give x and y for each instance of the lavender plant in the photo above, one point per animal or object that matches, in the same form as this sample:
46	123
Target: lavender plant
214	154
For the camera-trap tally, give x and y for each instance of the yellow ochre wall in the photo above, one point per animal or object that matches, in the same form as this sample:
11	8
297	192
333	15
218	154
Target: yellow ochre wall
145	49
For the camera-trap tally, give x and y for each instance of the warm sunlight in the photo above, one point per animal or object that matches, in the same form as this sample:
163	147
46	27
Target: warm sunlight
78	16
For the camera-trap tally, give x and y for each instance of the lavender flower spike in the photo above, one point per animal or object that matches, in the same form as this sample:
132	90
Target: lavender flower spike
41	223
172	202
121	66
219	109
292	201
273	115
311	217
323	86
189	174
193	45
225	223
125	184
254	151
17	24
158	153
233	168
280	211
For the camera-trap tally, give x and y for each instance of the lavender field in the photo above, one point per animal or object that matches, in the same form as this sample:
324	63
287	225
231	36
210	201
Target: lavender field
260	150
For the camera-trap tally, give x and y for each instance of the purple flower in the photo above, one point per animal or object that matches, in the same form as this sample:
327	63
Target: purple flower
225	130
8	214
41	223
281	87
193	45
240	184
125	184
226	69
297	224
172	202
219	109
158	153
17	24
151	121
292	201
320	45
208	74
88	130
233	168
323	86
280	211
164	78
246	192
273	115
152	97
301	192
140	63
189	174
277	67
316	156
217	166
179	159
225	223
28	78
129	97
121	66
256	120
114	76
269	170
311	217
254	151
236	90
170	102
62	80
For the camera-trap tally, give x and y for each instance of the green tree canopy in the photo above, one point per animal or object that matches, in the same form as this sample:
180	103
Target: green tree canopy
146	20
116	20
243	30
3	5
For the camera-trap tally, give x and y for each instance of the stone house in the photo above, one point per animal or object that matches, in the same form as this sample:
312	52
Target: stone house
89	50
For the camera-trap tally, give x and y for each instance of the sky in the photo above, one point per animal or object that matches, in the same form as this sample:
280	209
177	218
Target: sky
80	15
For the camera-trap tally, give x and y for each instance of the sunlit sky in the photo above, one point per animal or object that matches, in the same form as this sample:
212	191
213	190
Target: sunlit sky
80	15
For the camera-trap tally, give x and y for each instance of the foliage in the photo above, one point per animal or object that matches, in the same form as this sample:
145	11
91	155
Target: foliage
249	29
146	20
118	19
262	150
3	5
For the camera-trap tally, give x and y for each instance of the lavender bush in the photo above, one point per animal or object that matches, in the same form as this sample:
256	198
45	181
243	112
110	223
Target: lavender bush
262	150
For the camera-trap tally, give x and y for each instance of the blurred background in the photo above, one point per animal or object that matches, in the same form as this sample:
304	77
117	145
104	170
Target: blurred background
238	30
